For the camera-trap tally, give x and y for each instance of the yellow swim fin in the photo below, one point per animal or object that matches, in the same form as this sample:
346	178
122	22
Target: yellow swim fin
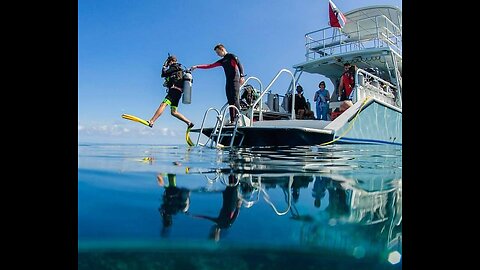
187	137
135	119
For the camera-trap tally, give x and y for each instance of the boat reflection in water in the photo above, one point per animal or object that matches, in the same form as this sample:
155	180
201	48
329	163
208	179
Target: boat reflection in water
347	215
336	207
305	199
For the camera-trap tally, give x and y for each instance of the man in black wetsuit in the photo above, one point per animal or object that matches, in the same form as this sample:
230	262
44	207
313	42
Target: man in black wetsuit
233	73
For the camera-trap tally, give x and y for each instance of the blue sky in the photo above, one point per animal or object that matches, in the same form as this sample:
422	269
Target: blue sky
122	45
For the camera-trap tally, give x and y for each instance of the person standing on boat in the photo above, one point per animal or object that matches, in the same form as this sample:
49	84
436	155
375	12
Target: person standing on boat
173	74
347	82
233	73
322	97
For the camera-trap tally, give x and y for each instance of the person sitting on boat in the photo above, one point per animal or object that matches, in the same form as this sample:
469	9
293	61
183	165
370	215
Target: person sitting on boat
248	97
343	107
301	107
347	82
322	97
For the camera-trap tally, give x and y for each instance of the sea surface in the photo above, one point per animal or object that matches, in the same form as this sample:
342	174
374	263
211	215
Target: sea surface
178	207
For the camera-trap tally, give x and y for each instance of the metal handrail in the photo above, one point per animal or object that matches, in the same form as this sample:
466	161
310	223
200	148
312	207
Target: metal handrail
389	27
261	89
236	124
359	70
220	119
289	197
245	82
203	122
256	188
373	76
268	88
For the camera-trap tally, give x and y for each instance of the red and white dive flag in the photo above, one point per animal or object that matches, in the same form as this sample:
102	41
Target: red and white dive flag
337	19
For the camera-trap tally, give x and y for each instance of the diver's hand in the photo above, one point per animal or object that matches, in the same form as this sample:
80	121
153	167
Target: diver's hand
193	68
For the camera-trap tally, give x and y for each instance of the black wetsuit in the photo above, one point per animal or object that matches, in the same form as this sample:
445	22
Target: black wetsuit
174	82
300	103
230	64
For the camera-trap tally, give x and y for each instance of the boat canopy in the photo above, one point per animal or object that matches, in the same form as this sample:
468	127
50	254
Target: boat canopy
363	23
371	38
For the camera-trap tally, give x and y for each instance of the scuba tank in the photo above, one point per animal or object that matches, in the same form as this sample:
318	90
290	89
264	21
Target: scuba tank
286	103
187	87
276	103
270	100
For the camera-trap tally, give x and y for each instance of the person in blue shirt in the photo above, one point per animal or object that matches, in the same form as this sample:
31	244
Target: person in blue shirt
322	98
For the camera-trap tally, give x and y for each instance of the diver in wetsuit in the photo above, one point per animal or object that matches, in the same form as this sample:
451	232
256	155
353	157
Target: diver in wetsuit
234	76
172	72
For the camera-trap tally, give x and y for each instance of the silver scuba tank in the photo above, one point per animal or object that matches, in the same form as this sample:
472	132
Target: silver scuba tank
187	87
270	101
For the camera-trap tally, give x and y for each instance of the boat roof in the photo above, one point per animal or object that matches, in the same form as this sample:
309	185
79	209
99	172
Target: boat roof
365	17
393	13
327	51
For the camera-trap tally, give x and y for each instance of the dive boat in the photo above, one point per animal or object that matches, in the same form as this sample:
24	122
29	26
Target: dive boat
371	40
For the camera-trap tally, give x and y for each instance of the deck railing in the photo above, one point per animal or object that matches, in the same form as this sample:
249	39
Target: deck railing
259	99
362	35
367	84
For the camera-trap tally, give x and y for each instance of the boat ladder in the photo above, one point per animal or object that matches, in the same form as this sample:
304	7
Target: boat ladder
219	132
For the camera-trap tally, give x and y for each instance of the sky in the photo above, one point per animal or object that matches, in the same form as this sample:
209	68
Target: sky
122	45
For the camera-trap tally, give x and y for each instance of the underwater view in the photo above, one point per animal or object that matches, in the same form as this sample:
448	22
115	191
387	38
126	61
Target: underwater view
177	207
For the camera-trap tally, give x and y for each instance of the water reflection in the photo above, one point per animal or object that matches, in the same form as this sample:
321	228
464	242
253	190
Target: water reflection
357	209
333	211
312	200
231	203
319	190
174	200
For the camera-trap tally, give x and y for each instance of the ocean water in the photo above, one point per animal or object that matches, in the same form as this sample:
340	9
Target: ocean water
175	207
